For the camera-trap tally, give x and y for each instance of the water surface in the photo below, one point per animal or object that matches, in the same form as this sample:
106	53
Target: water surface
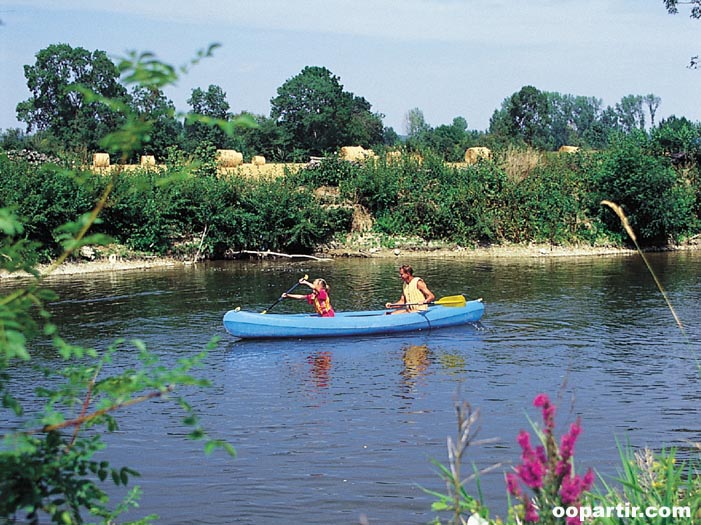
328	431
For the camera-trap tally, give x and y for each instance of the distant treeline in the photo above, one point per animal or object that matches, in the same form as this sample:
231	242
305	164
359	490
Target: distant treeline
311	115
520	195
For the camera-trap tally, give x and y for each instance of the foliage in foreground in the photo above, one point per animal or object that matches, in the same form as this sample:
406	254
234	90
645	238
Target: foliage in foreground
50	466
546	489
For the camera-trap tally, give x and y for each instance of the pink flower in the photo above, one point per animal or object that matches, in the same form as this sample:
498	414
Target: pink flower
563	468
531	472
524	439
573	520
531	512
573	486
568	440
543	401
512	485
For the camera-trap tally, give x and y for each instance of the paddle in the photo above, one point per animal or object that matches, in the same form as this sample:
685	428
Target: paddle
451	300
281	298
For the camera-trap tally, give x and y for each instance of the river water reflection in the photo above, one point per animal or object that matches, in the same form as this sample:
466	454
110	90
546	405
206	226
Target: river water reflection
328	431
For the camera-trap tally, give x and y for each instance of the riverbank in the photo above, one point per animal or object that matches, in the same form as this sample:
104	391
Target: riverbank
125	263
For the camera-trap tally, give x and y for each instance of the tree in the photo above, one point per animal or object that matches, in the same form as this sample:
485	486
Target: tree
630	112
414	123
212	105
365	128
671	6
695	12
449	140
59	104
267	138
155	109
652	102
319	116
525	115
574	119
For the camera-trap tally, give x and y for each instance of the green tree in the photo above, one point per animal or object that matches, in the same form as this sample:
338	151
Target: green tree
57	103
574	119
449	140
267	138
318	116
678	138
152	107
213	106
631	114
415	123
525	116
656	199
652	102
365	127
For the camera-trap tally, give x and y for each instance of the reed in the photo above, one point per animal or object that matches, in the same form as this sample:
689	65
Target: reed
626	225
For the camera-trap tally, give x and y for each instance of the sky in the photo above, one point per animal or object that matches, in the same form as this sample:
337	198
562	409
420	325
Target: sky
448	58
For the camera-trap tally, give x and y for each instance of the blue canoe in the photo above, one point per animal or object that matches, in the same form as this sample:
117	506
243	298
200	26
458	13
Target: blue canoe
249	325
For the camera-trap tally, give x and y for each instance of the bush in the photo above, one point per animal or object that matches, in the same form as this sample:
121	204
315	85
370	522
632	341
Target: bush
658	203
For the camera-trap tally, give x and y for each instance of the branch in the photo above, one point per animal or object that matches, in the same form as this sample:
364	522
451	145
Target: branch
87	418
293	256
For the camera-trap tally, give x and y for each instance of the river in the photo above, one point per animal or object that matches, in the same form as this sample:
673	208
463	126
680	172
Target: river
344	430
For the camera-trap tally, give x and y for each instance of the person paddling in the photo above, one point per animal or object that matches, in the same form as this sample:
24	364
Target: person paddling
319	297
415	293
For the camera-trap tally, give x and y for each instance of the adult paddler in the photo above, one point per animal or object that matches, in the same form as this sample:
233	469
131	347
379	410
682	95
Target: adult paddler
415	293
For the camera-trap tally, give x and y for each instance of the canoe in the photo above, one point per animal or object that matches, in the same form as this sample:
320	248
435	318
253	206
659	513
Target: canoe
251	325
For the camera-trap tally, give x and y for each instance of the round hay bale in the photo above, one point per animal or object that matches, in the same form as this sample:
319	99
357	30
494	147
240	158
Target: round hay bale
568	149
258	160
356	153
101	160
473	155
229	158
148	160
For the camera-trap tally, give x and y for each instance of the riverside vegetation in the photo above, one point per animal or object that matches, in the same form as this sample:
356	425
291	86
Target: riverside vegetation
47	465
520	197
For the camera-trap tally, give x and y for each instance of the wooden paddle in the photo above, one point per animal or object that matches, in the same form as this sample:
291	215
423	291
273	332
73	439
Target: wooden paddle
451	300
281	297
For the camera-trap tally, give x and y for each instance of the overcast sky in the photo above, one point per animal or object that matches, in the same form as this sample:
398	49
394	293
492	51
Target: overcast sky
448	58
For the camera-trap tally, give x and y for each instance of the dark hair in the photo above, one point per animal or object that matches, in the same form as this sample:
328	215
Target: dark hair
407	269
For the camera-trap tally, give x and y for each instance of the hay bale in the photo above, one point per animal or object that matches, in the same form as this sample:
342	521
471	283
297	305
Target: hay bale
356	153
568	149
417	157
393	157
148	160
475	154
258	160
101	160
229	158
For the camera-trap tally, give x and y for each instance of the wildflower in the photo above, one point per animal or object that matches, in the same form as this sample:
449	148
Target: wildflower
548	470
573	486
512	485
531	515
543	401
568	440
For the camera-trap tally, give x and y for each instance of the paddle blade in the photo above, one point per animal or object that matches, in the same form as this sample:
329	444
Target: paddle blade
452	300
